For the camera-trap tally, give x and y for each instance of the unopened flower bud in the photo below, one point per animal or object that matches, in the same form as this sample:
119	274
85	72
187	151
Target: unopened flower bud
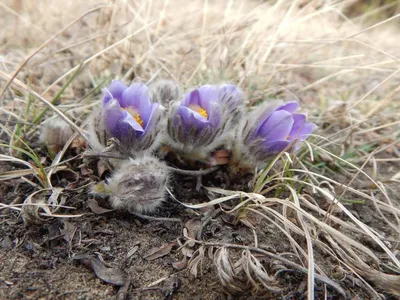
139	185
55	133
164	92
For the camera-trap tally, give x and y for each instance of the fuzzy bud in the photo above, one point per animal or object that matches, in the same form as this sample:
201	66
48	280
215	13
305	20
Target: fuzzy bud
55	133
164	92
139	185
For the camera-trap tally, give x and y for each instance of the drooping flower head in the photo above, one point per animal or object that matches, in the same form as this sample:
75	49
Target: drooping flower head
128	114
272	129
201	121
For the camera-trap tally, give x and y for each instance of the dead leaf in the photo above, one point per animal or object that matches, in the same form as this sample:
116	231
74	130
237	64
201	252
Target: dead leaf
68	231
132	251
196	262
193	227
247	221
102	169
187	252
172	287
6	243
94	207
160	252
180	265
229	219
114	275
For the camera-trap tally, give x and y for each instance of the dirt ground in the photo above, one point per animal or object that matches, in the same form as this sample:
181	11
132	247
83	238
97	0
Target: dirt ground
39	261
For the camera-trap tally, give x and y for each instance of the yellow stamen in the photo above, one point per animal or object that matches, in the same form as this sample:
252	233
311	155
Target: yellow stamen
199	109
134	113
139	120
288	137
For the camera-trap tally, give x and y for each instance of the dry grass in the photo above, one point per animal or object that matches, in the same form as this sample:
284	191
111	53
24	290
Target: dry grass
343	70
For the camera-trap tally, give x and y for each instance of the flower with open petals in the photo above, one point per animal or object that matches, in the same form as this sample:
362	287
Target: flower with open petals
272	129
199	123
128	115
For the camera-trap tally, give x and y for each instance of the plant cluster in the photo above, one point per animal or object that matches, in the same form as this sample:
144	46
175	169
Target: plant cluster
140	129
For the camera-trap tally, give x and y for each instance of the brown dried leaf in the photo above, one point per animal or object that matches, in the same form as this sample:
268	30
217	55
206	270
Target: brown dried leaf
68	231
247	221
6	243
133	250
114	275
187	252
160	252
180	265
94	207
229	219
225	270
102	168
193	227
194	262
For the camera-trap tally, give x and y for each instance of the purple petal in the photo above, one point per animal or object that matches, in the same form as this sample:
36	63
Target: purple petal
192	98
136	96
275	147
300	128
214	114
289	106
114	91
231	96
208	94
191	118
276	127
128	119
112	115
146	117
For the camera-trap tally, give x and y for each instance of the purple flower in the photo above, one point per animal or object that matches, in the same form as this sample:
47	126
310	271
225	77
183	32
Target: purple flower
199	108
127	114
232	98
275	128
199	122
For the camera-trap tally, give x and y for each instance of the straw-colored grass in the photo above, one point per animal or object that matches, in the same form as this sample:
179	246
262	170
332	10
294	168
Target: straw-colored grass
343	70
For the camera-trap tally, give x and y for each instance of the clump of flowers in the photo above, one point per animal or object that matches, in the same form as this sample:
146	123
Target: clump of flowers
128	115
209	125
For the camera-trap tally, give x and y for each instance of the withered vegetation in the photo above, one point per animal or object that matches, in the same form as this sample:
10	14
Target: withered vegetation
322	224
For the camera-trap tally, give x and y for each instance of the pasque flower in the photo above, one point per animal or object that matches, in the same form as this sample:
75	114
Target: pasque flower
139	185
201	121
273	128
127	114
55	133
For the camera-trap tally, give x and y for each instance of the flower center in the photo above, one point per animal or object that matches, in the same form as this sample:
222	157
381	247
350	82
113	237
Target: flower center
199	109
134	113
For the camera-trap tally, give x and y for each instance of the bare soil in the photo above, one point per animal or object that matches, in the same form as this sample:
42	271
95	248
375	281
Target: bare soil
38	260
